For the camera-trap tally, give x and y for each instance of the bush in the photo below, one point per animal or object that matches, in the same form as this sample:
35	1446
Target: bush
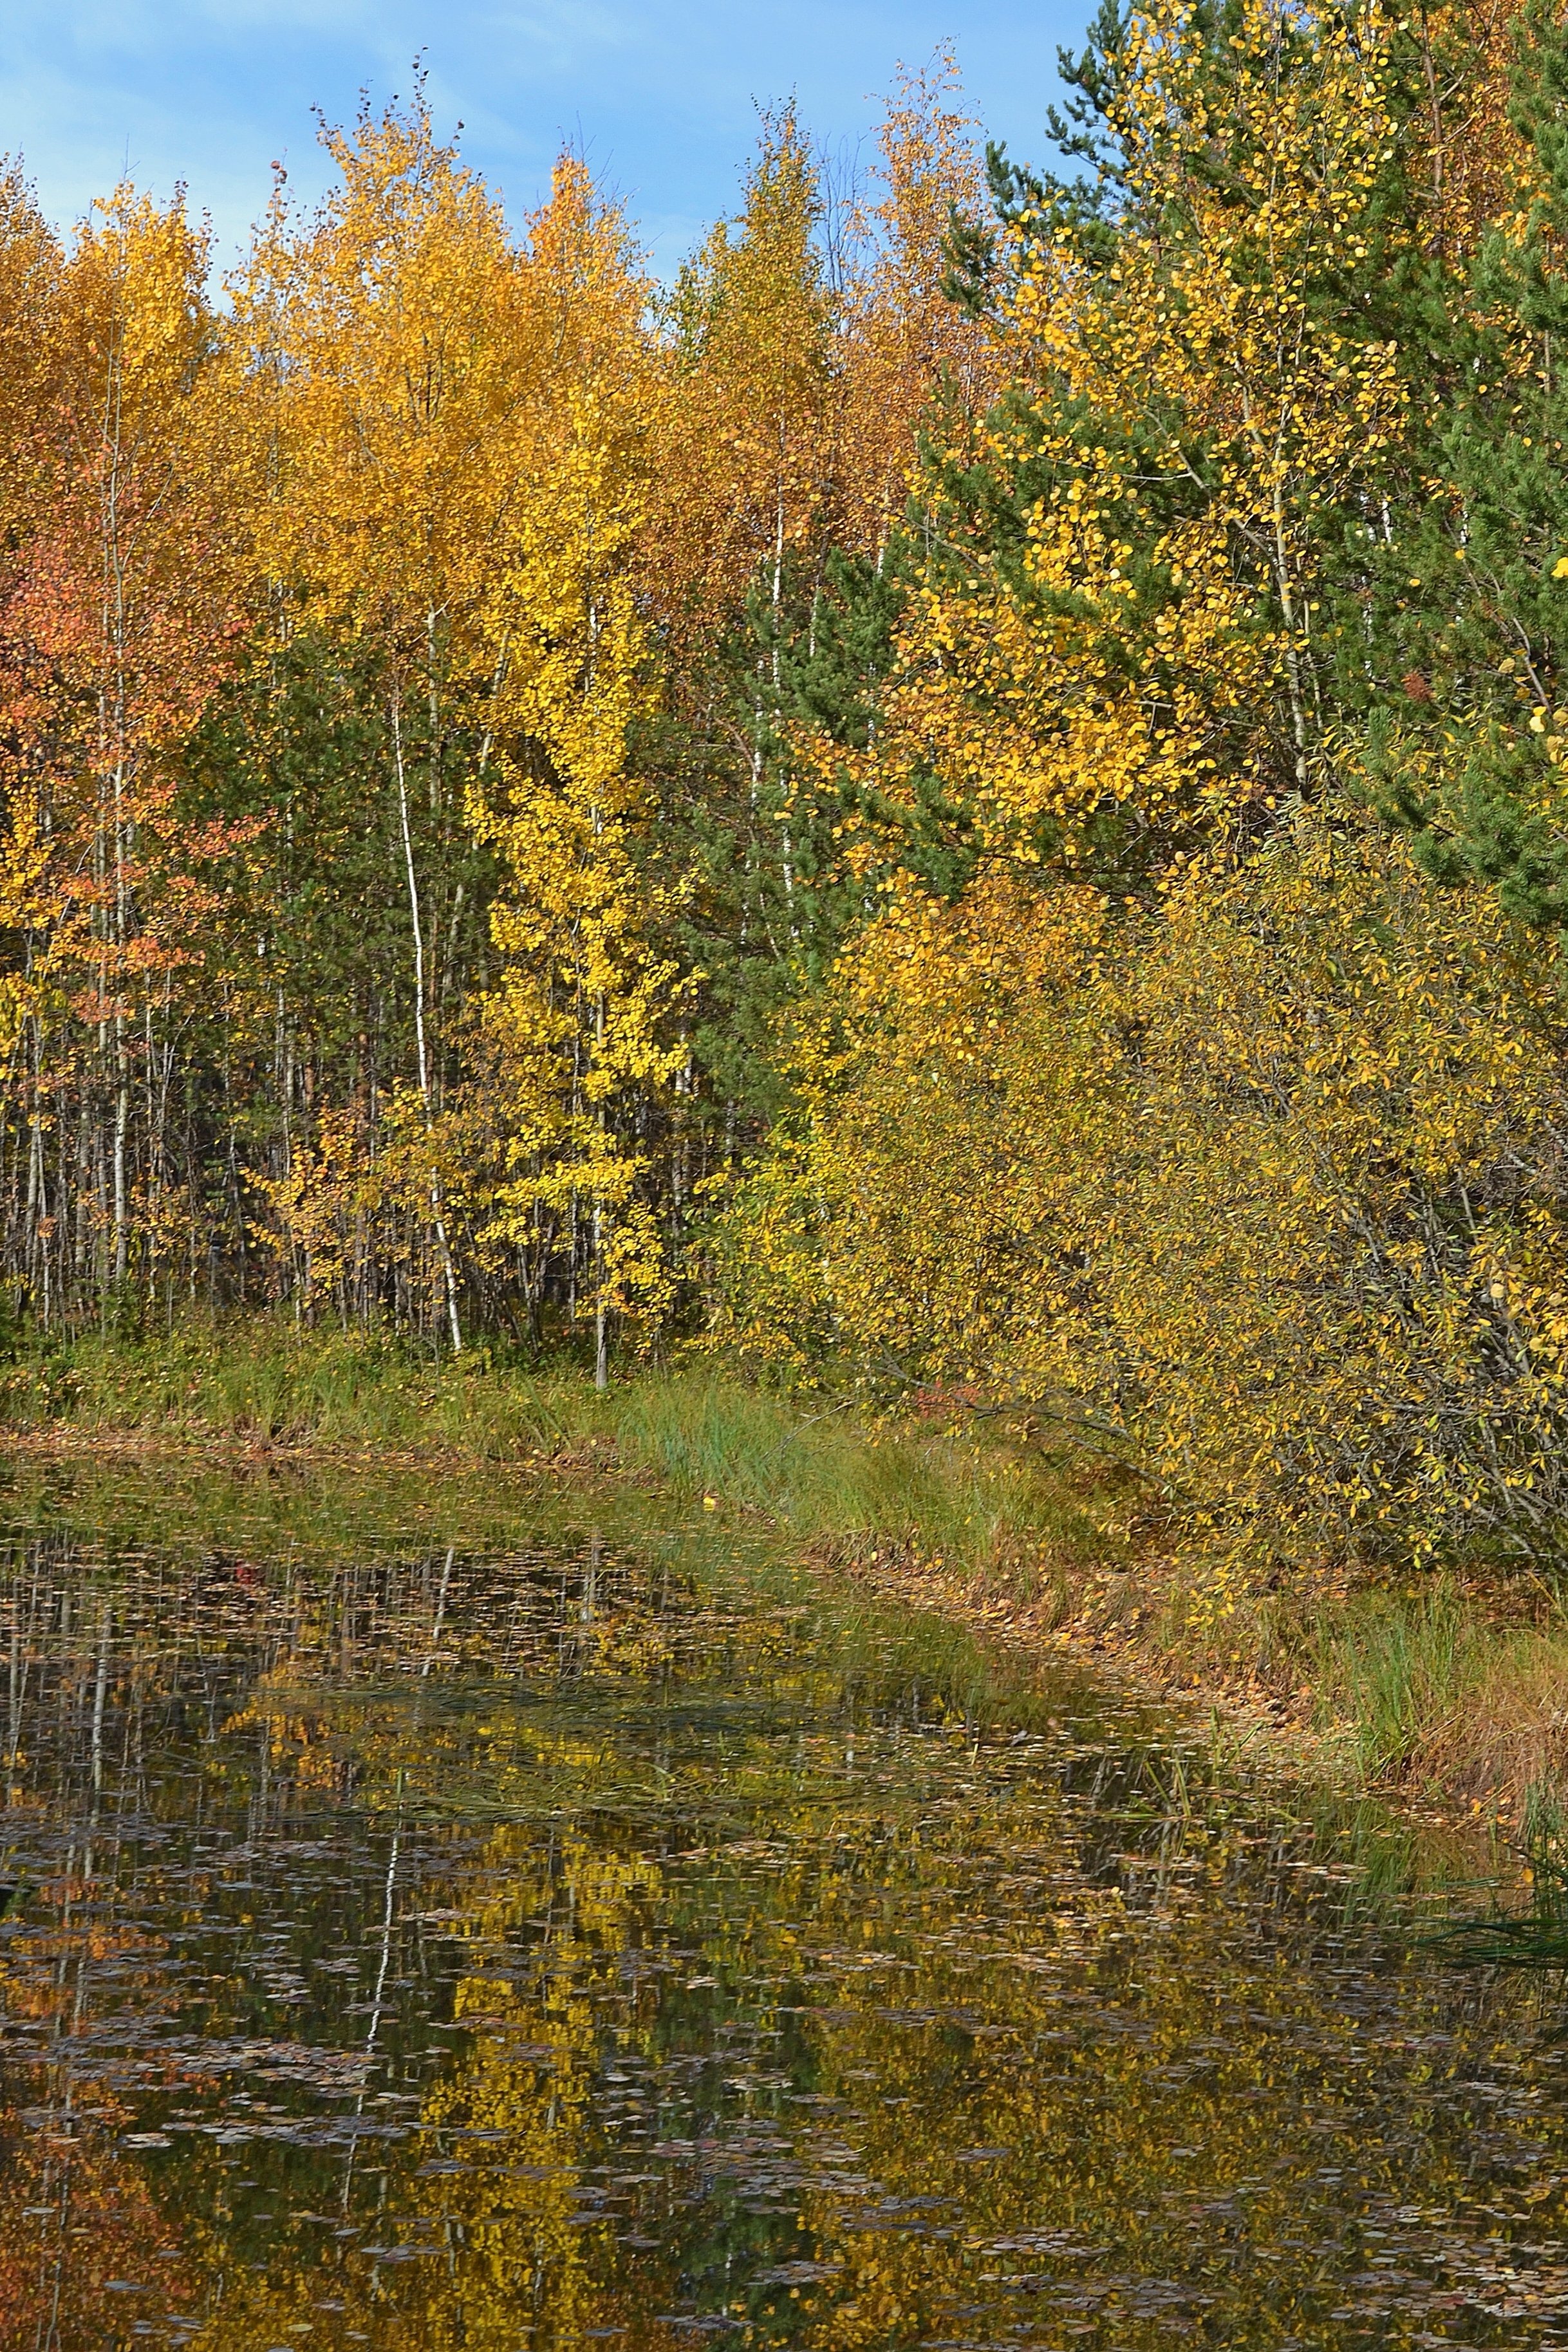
1264	1195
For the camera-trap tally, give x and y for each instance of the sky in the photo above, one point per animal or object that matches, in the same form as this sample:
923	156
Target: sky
661	97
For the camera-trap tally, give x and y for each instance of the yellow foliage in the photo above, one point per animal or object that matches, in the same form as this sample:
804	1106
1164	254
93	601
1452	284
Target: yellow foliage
575	1020
1260	1195
1142	654
460	426
1247	1177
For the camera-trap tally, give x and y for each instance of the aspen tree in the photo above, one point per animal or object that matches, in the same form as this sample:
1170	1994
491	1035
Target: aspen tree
381	328
575	1020
1160	1095
751	442
912	359
118	626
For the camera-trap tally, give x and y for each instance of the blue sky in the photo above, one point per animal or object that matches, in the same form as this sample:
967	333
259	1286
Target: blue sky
660	95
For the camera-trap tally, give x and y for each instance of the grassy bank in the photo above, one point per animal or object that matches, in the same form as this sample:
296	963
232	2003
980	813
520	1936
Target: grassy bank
815	1467
1455	1690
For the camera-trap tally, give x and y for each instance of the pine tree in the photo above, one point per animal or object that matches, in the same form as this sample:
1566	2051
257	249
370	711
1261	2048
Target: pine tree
1464	622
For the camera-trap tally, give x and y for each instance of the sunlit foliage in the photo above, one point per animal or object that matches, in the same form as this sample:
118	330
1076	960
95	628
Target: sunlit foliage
970	794
1165	1097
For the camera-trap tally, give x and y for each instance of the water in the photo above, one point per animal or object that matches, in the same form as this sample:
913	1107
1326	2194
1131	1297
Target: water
518	1922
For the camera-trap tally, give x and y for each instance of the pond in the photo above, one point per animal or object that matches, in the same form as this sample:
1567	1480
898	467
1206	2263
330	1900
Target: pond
525	1919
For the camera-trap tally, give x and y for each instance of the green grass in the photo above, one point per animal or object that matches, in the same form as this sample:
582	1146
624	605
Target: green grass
1398	1669
1447	1691
257	1380
969	1502
964	1500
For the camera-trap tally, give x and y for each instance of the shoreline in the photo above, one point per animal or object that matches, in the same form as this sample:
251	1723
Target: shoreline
1263	1722
1045	1604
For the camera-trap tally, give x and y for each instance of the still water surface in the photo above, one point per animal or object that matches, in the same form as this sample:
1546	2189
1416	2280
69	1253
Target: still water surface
545	1926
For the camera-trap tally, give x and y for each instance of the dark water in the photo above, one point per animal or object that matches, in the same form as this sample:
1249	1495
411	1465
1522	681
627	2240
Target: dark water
547	1927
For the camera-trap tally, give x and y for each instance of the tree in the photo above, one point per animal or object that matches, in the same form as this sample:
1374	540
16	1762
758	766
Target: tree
381	352
1466	615
117	628
576	1019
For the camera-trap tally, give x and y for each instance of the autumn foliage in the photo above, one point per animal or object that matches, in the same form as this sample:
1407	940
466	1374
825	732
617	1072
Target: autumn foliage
968	794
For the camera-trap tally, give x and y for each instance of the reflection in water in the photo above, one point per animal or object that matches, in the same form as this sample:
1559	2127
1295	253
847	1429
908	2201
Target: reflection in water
484	1946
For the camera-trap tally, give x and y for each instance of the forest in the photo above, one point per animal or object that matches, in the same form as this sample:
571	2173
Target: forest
966	804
